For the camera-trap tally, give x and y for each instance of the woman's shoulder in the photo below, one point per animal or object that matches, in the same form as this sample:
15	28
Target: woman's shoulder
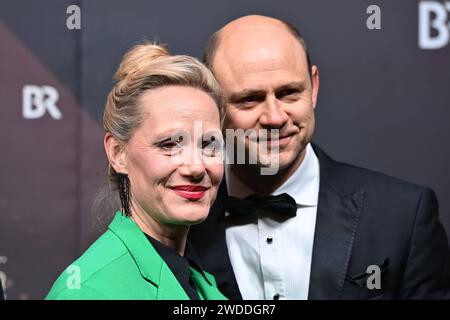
100	264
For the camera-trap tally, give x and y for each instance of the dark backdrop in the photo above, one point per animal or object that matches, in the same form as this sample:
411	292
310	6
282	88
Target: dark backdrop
383	104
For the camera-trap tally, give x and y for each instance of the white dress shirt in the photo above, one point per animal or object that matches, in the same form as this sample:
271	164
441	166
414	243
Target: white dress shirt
272	259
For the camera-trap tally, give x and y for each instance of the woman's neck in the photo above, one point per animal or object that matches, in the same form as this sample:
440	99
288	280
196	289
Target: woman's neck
172	236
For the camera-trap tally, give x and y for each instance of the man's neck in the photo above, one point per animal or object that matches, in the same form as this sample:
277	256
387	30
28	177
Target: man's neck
250	175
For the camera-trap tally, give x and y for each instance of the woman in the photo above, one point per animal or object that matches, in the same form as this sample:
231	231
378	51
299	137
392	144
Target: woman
162	122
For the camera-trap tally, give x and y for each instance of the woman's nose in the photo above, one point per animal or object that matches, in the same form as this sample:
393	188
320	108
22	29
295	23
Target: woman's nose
193	166
193	170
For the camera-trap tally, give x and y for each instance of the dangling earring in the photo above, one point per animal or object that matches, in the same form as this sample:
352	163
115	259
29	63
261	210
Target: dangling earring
124	193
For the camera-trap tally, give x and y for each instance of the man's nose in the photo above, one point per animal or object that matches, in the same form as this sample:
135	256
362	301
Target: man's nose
273	115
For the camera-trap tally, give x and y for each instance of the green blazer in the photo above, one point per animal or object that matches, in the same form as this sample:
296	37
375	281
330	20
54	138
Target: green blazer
122	264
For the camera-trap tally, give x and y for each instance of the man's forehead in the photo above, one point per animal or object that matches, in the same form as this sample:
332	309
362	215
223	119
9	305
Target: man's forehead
263	59
259	60
257	48
250	36
252	22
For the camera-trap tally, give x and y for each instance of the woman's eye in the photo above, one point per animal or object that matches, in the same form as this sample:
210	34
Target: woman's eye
210	148
170	145
208	145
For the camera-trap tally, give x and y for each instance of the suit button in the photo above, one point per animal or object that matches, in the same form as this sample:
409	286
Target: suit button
269	240
276	297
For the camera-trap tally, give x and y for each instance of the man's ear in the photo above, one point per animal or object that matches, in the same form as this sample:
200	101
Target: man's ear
315	84
115	153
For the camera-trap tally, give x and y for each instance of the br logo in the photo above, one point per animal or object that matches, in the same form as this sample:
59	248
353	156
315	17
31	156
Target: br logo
434	27
37	100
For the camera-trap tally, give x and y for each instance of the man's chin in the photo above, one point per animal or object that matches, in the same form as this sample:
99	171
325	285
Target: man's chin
281	160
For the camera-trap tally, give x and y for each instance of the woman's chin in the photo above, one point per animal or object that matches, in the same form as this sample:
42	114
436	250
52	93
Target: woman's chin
188	213
193	219
184	216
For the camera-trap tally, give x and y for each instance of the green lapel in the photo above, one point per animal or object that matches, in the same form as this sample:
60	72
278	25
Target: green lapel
150	264
205	290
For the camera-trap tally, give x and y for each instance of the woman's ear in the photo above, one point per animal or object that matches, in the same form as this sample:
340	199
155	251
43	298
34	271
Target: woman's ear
115	153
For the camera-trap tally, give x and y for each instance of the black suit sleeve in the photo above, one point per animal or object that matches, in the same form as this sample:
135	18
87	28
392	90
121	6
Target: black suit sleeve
427	274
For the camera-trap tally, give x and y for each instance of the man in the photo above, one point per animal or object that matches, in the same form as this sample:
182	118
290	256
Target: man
354	234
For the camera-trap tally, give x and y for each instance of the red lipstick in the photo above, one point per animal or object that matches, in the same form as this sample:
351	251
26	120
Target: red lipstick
190	192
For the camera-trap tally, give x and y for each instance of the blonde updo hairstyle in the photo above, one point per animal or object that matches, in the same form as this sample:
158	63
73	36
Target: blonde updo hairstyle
144	67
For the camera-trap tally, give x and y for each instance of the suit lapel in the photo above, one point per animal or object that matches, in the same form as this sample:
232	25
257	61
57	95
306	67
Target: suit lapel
338	213
169	288
205	289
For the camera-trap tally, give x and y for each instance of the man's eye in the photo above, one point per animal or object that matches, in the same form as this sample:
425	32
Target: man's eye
249	101
288	95
287	92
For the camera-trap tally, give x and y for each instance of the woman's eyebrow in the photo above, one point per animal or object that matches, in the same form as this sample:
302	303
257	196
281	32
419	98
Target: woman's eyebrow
167	134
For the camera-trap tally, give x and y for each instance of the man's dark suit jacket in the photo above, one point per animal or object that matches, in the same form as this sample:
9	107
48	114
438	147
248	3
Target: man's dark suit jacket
363	218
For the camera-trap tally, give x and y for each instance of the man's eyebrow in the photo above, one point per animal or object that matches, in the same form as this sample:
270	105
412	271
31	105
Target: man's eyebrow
297	85
236	96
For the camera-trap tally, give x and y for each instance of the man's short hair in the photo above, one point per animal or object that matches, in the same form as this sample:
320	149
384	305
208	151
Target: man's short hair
214	41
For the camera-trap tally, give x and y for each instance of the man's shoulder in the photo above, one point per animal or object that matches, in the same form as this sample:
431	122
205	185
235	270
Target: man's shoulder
346	175
372	177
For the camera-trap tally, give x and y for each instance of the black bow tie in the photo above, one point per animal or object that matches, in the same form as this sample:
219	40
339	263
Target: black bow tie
282	204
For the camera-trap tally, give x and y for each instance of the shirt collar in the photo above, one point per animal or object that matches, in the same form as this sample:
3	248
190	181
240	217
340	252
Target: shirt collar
302	185
178	264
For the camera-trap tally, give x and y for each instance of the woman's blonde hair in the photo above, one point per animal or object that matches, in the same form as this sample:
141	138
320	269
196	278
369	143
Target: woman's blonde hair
144	67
